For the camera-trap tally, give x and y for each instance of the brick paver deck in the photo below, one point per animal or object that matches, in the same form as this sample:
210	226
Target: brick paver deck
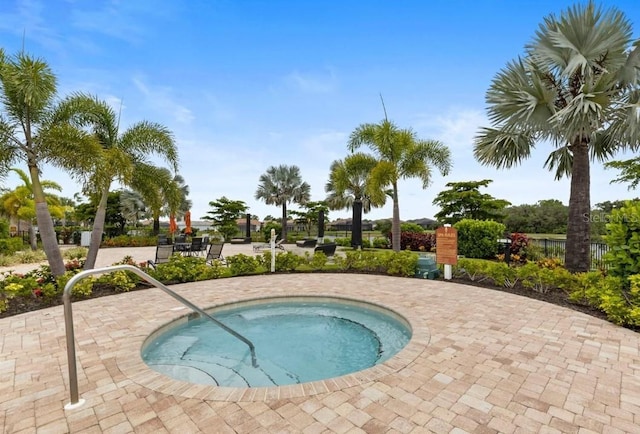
479	361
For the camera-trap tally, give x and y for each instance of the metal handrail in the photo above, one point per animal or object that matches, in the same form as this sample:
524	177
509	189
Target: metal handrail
68	321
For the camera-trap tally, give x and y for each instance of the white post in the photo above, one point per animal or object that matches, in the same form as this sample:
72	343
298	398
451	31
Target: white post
448	270
273	250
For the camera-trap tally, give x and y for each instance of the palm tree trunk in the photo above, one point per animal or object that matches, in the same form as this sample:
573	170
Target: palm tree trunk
33	240
356	224
45	225
156	224
395	222
98	229
578	251
284	222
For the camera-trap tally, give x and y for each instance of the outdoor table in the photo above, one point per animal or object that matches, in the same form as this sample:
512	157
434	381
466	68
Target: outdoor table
181	247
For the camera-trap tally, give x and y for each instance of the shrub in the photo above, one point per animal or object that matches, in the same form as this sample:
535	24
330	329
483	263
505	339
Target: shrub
623	239
478	238
417	241
266	230
8	246
343	242
242	264
381	243
75	253
608	294
187	269
411	227
519	245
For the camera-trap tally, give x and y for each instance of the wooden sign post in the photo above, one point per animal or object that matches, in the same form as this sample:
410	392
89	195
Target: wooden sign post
447	248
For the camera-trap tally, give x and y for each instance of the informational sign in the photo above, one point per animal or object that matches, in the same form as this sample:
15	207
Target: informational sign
447	245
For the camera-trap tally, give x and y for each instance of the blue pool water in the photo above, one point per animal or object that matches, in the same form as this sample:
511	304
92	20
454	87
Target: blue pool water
295	342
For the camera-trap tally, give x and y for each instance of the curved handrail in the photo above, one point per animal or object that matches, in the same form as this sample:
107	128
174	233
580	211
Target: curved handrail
68	320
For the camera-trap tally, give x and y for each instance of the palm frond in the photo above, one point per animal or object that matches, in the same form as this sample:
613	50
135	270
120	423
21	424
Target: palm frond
503	150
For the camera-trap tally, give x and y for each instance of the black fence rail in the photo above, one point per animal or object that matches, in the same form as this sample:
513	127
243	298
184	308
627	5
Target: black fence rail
556	249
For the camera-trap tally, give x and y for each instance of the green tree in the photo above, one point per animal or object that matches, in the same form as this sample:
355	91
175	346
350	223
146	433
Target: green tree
225	214
29	133
544	217
349	181
311	214
122	156
132	207
282	185
19	203
575	88
463	200
159	189
400	155
629	171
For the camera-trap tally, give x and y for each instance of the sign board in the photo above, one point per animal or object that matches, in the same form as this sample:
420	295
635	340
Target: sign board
447	245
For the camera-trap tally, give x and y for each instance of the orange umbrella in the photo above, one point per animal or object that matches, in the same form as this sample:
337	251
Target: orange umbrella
187	221
173	226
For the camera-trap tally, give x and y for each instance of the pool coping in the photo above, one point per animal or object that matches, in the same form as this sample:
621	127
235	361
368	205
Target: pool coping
134	367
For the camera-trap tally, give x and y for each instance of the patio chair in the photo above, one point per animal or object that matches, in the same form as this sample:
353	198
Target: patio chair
215	253
163	253
307	242
328	249
162	239
265	246
196	246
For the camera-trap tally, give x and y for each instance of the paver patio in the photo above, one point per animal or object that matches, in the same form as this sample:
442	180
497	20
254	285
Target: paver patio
479	361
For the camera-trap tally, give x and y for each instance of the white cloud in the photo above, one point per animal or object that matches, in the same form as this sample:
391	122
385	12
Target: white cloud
323	82
161	100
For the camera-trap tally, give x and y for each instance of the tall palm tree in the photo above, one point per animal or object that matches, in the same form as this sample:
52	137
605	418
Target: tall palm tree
132	206
121	154
29	133
184	203
282	185
576	88
400	155
19	203
348	188
160	190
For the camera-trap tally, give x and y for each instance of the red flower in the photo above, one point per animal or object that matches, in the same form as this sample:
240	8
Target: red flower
37	292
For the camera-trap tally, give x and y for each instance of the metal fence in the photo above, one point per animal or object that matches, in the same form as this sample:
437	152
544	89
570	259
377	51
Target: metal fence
556	248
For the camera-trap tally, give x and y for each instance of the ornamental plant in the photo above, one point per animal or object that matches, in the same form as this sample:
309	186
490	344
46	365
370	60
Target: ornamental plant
623	239
479	238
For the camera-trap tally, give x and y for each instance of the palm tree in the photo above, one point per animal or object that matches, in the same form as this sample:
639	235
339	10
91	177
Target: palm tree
282	185
400	155
348	188
121	155
29	133
160	191
19	203
132	206
577	89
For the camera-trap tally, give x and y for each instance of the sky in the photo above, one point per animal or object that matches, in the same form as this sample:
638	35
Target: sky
245	85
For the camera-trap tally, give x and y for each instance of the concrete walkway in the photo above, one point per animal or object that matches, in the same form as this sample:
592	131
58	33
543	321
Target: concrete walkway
479	361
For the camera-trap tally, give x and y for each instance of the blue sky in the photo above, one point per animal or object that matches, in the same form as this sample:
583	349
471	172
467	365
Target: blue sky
249	84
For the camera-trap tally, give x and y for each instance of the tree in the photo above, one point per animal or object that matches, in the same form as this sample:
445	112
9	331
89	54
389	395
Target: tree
400	155
463	200
29	133
225	214
545	217
19	203
159	189
349	181
575	88
282	185
629	171
311	214
122	156
132	206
